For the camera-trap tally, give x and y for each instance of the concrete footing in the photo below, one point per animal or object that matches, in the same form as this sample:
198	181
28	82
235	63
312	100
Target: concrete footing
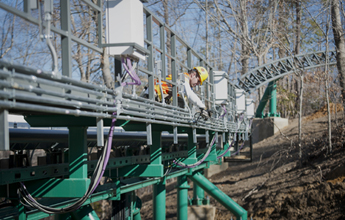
267	127
202	212
214	169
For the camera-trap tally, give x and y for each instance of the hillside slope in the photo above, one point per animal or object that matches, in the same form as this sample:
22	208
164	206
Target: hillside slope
279	185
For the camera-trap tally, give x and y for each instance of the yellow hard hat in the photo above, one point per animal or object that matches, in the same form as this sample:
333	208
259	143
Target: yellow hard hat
202	73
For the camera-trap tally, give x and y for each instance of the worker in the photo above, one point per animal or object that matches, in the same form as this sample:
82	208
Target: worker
194	77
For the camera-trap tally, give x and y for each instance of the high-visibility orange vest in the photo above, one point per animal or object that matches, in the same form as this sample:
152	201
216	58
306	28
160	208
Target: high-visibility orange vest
166	87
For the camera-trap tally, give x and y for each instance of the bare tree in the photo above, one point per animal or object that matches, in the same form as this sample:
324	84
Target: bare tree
339	42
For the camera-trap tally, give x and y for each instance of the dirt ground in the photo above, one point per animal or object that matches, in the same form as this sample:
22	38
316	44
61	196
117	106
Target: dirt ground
277	184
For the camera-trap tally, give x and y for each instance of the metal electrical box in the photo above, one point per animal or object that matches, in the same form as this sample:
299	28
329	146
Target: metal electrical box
250	108
240	101
220	87
125	24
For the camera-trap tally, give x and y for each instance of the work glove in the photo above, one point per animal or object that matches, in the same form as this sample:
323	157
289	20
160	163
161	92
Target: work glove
204	114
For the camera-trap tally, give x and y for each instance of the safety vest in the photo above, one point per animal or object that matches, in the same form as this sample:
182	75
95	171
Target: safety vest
166	87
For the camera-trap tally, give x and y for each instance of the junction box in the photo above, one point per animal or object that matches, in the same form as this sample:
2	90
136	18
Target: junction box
125	25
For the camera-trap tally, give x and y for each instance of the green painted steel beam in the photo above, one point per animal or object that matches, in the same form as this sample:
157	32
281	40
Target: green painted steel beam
261	108
159	199
273	99
220	196
182	197
121	162
77	152
14	175
58	188
198	194
141	170
109	190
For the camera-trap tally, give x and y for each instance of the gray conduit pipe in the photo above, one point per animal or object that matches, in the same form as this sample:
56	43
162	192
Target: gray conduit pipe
217	194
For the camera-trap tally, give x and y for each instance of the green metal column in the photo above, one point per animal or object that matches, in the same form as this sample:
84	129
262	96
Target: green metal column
159	197
198	194
85	213
261	108
159	192
273	99
270	94
191	147
77	152
221	197
182	197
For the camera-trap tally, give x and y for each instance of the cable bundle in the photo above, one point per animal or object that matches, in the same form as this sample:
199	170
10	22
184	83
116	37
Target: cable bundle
206	154
28	201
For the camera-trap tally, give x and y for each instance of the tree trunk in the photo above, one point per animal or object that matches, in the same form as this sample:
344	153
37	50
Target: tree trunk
108	80
339	42
298	27
244	25
329	149
300	116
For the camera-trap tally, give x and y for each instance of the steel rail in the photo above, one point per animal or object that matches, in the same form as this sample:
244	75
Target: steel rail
278	68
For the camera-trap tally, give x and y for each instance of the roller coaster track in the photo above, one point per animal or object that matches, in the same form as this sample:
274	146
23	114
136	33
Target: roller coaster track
285	66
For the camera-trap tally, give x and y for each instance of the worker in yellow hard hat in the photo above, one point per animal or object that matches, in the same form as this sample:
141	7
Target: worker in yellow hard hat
193	77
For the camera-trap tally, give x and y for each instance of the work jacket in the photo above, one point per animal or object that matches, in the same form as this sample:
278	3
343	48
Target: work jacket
186	89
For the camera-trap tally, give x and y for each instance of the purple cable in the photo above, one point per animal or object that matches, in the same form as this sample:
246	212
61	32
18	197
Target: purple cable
133	75
207	153
200	161
232	142
110	141
238	149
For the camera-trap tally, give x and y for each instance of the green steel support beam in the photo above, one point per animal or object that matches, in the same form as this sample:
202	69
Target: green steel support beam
263	102
156	150
217	194
136	207
85	213
159	198
273	100
192	157
159	192
198	194
141	170
270	94
113	190
182	197
58	188
77	152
